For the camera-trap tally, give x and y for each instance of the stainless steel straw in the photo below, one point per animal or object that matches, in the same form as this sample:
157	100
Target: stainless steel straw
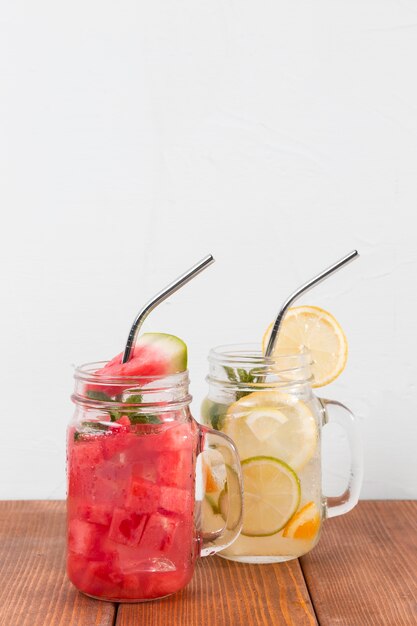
162	295
306	287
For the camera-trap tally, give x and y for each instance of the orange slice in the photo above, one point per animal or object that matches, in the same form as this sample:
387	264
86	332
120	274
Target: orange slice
214	471
304	524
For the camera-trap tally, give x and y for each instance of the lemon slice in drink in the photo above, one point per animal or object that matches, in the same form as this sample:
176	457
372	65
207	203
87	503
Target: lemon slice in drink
275	424
271	495
265	421
317	330
305	524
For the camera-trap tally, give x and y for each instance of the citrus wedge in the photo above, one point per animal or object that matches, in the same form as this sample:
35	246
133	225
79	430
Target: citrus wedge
229	503
304	524
275	424
214	471
271	495
317	330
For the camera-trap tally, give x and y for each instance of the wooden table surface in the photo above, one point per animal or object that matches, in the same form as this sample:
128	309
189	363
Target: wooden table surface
363	571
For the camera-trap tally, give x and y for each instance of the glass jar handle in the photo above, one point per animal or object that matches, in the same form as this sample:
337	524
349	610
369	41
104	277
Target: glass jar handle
212	542
340	414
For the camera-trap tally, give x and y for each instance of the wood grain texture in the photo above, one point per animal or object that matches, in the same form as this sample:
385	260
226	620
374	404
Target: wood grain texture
34	590
224	593
364	570
362	573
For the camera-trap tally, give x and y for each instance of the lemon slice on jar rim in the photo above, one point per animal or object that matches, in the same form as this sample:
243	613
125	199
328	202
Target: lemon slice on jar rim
317	330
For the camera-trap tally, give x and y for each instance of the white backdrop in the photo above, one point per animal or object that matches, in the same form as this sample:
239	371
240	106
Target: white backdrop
136	136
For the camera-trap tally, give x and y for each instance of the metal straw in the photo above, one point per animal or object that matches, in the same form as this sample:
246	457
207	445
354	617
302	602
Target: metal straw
162	295
308	285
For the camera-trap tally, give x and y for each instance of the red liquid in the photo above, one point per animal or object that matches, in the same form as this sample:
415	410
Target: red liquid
131	511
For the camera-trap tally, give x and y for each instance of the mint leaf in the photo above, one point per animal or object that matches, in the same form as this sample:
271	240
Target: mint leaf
116	414
237	376
89	428
144	418
242	394
98	395
231	374
243	375
135	398
94	426
217	413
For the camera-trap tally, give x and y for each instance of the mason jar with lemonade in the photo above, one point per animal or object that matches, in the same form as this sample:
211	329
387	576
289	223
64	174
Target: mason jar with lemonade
267	406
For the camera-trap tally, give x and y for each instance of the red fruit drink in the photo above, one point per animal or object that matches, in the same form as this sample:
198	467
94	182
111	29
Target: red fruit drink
132	449
131	510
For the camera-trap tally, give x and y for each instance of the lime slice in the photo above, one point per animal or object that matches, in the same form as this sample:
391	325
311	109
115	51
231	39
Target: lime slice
271	495
229	501
208	516
273	423
211	502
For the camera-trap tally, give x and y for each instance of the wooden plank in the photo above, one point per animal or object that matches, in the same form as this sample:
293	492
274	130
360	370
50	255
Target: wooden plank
364	570
223	592
34	590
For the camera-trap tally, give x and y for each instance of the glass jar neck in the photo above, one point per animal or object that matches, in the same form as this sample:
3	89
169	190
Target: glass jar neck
158	394
244	368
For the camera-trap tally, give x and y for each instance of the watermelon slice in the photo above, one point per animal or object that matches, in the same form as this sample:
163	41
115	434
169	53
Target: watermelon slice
127	527
95	513
154	354
159	533
84	537
174	500
143	495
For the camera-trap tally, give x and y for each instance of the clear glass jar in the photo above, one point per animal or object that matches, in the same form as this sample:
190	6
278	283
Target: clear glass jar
267	406
134	527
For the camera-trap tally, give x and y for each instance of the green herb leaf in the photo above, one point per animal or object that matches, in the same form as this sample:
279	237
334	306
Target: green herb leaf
242	394
231	374
98	395
135	398
240	375
217	413
244	376
253	378
144	418
135	418
115	415
94	425
89	428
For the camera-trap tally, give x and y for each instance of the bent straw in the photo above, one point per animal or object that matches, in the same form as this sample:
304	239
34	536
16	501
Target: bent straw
306	287
159	297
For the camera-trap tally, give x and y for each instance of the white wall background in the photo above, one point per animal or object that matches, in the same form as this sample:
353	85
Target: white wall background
137	136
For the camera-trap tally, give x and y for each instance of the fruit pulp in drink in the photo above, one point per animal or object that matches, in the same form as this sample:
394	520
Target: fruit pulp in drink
131	508
277	438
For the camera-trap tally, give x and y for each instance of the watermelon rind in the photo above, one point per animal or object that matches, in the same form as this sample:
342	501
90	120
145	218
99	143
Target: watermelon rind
172	346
